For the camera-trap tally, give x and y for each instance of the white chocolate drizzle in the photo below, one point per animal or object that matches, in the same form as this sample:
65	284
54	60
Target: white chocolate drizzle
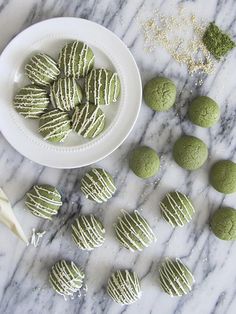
36	236
88	120
98	185
124	287
175	277
88	232
42	69
133	231
176	212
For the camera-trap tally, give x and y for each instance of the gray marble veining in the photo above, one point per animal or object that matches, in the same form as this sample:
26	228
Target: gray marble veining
24	284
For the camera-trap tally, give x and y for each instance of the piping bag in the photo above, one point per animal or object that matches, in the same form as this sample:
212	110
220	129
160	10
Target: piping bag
8	218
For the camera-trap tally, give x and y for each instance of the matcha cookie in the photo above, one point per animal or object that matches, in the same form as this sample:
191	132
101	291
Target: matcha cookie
204	111
175	278
66	278
88	120
42	69
102	87
133	231
160	94
31	101
223	176
43	201
223	223
98	185
76	59
190	152
65	94
124	287
88	232
54	125
177	209
144	162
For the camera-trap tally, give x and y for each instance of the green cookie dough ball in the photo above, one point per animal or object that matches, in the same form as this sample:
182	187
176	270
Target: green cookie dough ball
42	69
144	162
65	94
43	201
223	176
124	287
223	223
88	232
102	87
160	94
98	185
66	278
204	111
88	120
177	209
54	125
31	101
133	231
190	152
76	59
175	278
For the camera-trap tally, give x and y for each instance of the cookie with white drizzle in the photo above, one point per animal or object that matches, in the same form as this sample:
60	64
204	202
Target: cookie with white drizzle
177	209
66	278
98	185
88	120
42	69
43	201
31	101
133	231
88	232
54	125
175	278
102	87
76	59
65	94
124	287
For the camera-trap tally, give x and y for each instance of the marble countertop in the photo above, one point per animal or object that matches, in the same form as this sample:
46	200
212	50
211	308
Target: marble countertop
24	270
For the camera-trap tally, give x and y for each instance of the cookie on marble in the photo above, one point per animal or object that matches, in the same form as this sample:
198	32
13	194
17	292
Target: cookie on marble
190	152
177	209
144	162
31	101
43	201
223	223
204	111
54	125
65	94
133	231
159	94
42	69
102	87
66	278
76	59
98	185
175	278
223	176
88	232
124	287
88	120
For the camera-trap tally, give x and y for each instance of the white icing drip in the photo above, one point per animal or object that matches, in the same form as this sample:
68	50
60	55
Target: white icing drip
36	236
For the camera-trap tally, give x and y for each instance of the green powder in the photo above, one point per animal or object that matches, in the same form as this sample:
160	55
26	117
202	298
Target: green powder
217	42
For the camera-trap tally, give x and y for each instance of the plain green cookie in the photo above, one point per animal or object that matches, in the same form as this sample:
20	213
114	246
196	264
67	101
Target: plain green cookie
160	94
223	176
223	223
144	162
190	152
204	111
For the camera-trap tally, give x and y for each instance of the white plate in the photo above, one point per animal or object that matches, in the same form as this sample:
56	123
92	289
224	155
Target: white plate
50	36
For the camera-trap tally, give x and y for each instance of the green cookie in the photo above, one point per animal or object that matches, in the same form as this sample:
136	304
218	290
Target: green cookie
160	94
190	152
223	223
